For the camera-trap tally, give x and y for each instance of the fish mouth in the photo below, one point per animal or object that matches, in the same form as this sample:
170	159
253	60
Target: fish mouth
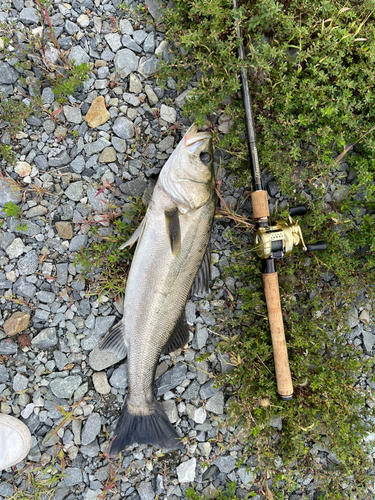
192	136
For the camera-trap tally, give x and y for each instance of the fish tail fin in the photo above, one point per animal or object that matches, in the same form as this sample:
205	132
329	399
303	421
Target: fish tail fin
154	429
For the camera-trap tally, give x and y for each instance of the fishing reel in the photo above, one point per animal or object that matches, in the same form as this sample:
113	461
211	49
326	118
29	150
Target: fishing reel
278	240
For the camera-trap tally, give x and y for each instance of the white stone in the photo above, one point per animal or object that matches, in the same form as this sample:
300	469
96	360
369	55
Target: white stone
168	114
15	249
125	27
152	97
22	168
135	84
200	415
160	49
83	20
186	471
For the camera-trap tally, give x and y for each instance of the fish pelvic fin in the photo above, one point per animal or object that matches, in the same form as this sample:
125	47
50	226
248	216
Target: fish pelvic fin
174	230
154	429
179	337
135	236
114	341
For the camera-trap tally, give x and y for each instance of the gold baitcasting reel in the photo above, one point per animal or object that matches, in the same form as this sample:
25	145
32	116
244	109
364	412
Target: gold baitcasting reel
278	240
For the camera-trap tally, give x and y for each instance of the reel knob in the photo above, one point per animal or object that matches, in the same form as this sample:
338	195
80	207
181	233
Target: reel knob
319	245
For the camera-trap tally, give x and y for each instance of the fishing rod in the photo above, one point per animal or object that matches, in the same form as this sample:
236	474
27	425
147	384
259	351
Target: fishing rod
273	240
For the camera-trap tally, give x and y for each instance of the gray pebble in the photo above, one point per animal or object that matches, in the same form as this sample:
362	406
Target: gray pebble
208	390
19	383
96	146
3	374
8	347
45	339
7	194
72	114
28	264
216	403
8	74
78	164
123	128
225	464
145	491
368	340
126	62
73	476
75	191
170	409
78	55
171	379
100	360
64	387
77	242
46	297
59	160
200	337
91	429
119	378
28	16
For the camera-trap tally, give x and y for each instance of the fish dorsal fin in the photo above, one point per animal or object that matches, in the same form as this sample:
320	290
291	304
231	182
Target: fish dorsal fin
179	337
114	341
174	231
134	237
201	284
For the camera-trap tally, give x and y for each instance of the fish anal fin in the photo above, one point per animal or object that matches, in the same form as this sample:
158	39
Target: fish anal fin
201	284
173	229
179	337
135	236
114	341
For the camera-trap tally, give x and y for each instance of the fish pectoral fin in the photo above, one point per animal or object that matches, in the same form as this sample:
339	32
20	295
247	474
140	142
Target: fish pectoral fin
174	230
201	284
179	337
134	237
114	341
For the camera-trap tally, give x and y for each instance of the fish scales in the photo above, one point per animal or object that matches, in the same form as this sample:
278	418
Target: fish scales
154	305
172	241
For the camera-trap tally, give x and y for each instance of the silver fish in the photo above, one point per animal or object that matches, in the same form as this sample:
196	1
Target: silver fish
171	259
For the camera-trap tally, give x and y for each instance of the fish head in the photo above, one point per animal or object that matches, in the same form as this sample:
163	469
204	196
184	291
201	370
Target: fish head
188	176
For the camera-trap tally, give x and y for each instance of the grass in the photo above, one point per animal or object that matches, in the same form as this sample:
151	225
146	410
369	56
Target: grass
38	483
103	265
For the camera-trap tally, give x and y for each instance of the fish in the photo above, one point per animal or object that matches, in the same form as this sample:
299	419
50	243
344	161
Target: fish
171	261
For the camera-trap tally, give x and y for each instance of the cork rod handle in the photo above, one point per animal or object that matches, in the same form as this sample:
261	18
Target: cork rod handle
280	353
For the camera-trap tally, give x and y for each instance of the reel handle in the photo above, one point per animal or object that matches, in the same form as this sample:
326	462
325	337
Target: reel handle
319	245
280	352
299	210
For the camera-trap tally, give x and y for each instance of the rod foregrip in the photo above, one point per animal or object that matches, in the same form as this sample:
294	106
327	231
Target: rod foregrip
280	353
259	200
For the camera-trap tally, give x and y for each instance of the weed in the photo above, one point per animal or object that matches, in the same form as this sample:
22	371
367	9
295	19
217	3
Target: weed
104	253
40	483
68	83
228	494
12	210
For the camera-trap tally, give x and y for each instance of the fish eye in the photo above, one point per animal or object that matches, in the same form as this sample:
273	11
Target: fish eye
205	157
